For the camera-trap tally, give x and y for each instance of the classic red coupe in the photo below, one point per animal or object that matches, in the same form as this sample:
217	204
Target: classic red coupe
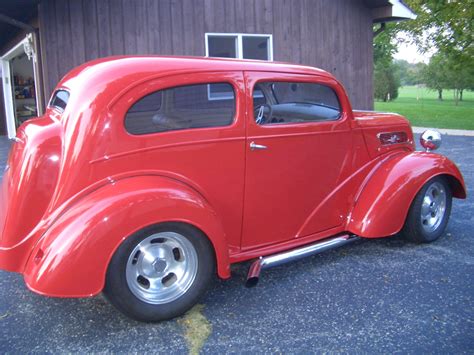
148	175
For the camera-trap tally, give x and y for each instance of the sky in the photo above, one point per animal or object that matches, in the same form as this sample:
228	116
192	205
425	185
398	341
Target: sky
410	53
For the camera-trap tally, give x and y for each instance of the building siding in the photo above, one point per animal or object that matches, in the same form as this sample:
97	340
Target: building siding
333	35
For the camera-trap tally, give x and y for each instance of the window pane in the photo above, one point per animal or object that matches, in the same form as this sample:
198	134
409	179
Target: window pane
149	103
255	47
286	102
182	107
221	91
222	46
60	99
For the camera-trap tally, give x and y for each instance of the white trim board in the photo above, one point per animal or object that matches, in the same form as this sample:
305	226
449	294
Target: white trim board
8	85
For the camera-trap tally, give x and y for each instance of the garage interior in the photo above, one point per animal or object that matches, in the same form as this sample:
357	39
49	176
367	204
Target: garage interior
24	97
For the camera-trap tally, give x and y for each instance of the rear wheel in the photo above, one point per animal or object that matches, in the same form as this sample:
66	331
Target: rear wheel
429	213
160	272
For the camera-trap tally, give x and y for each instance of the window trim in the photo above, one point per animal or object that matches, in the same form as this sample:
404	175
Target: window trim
55	107
235	89
239	50
270	125
239	47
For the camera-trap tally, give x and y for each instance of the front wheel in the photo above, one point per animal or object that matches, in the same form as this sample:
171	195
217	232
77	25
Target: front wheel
429	213
160	272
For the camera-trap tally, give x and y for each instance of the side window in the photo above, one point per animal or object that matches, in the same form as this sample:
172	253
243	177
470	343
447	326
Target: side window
59	99
294	102
182	107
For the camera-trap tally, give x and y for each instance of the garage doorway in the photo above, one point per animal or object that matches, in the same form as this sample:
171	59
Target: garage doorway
21	86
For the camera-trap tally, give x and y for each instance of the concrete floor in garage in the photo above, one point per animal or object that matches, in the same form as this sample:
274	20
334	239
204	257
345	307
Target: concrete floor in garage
383	295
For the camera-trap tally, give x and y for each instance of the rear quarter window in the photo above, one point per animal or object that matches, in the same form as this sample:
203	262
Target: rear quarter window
59	99
178	108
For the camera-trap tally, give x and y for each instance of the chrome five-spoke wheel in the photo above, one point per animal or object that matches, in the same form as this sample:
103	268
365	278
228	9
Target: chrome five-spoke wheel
433	207
161	268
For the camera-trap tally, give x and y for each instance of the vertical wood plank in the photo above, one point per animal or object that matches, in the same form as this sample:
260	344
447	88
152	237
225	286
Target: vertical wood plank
116	27
129	26
43	34
295	44
229	16
177	27
141	26
165	27
64	36
189	37
52	46
219	16
249	16
77	36
199	28
239	7
90	29
153	22
104	28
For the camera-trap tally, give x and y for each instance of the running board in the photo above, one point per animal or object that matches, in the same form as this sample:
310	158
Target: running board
288	256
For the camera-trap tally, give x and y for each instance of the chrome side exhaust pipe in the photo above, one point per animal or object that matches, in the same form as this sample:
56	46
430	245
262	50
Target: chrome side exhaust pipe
288	256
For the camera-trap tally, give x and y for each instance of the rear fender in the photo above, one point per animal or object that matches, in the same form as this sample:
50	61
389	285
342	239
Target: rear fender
71	258
384	201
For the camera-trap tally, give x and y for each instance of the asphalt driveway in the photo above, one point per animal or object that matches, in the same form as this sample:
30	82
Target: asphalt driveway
372	296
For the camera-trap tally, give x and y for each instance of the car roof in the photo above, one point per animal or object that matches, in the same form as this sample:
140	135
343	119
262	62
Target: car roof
112	68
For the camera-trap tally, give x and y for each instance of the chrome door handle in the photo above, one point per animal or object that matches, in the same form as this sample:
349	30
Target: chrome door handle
254	146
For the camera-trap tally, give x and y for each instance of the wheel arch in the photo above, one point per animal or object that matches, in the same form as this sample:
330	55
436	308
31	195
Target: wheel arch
383	202
72	257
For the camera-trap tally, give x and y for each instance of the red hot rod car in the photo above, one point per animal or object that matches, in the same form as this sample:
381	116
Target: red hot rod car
148	175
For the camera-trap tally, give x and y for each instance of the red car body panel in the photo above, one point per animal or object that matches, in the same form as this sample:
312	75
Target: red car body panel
78	183
382	205
82	241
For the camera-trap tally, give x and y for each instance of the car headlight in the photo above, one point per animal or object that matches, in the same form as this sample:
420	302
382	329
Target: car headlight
430	140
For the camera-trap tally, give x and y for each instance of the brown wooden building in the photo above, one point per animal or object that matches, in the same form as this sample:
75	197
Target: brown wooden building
43	39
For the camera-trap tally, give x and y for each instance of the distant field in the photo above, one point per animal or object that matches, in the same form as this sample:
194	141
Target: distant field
422	108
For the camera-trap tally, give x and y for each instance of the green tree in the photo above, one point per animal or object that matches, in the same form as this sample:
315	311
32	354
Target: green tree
460	74
436	75
409	73
446	25
386	82
384	45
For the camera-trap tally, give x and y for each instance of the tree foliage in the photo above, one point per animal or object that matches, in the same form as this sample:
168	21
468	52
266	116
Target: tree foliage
386	81
435	74
409	73
447	26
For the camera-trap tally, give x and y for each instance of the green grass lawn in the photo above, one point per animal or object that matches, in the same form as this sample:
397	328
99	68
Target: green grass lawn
422	107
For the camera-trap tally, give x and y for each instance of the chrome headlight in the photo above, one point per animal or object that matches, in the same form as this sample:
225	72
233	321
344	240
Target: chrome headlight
430	140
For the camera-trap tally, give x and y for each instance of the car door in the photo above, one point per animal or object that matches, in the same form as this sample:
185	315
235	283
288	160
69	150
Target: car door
298	149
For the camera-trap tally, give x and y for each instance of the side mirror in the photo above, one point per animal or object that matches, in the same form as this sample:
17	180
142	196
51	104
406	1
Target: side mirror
430	140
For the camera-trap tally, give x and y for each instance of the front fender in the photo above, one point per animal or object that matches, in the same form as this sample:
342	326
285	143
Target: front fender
71	258
384	201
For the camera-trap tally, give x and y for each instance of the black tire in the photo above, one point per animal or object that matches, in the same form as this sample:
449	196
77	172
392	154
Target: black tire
418	228
119	291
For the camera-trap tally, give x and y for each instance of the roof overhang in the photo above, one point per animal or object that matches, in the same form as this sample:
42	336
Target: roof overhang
16	17
390	11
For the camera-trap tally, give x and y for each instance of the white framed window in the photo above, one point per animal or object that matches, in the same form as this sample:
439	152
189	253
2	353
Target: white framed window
239	46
